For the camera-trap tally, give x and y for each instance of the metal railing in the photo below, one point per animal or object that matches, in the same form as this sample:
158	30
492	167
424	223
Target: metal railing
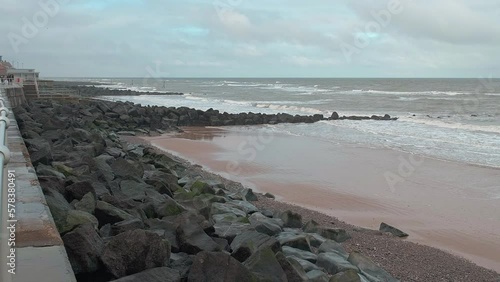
4	151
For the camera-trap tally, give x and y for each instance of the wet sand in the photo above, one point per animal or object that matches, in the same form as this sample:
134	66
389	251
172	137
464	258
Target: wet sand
448	205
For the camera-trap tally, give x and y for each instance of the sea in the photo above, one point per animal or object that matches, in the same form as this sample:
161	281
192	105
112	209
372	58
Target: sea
450	119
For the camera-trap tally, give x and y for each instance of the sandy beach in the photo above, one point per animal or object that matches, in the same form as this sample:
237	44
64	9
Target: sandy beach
448	205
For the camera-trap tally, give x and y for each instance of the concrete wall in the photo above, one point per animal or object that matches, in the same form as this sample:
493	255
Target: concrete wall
40	253
15	96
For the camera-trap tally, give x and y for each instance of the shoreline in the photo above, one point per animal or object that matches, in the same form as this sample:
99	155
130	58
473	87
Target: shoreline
347	205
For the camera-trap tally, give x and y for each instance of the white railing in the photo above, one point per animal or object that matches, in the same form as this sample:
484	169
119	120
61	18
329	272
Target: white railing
4	152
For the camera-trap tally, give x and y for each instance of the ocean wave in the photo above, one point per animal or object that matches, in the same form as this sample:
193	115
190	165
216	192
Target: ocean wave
288	108
454	125
433	92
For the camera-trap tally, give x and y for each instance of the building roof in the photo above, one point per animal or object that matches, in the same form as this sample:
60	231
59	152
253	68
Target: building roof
3	70
20	71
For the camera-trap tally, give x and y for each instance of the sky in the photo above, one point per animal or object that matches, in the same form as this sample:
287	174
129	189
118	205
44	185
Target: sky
252	38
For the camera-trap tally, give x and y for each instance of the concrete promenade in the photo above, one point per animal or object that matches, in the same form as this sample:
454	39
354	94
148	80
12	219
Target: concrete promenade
39	254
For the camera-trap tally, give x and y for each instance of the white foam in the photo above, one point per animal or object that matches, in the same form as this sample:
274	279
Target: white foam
450	93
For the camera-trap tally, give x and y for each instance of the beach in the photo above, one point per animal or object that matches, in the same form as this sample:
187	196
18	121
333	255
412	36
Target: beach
443	204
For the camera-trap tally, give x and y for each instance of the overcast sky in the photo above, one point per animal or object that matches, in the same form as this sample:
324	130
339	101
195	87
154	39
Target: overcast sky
253	38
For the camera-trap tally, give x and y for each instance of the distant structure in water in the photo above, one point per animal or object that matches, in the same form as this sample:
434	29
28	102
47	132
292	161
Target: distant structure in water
25	78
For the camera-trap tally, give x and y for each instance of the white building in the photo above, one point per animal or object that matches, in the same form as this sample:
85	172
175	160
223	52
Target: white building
23	76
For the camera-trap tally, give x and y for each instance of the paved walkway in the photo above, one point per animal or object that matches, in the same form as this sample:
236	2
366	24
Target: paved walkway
39	254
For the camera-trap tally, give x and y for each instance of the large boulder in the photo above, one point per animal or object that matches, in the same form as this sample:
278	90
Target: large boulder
293	271
59	207
127	168
40	151
75	218
264	264
131	189
291	219
369	269
349	275
298	241
192	239
134	251
317	275
84	248
126	225
87	203
79	189
337	234
266	225
163	274
384	227
248	243
305	255
330	246
217	266
169	207
229	230
334	263
107	213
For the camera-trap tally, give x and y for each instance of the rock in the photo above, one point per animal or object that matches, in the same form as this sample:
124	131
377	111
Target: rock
331	246
244	206
79	189
76	218
311	226
269	195
333	263
246	244
66	170
59	208
220	208
337	234
134	251
45	170
169	207
210	266
298	241
248	195
84	248
317	276
126	225
192	239
293	270
229	230
349	275
40	151
107	213
134	190
101	165
334	116
126	133
126	169
105	231
305	255
223	243
263	224
200	187
87	203
264	264
315	239
181	262
306	265
163	274
369	269
291	219
393	230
